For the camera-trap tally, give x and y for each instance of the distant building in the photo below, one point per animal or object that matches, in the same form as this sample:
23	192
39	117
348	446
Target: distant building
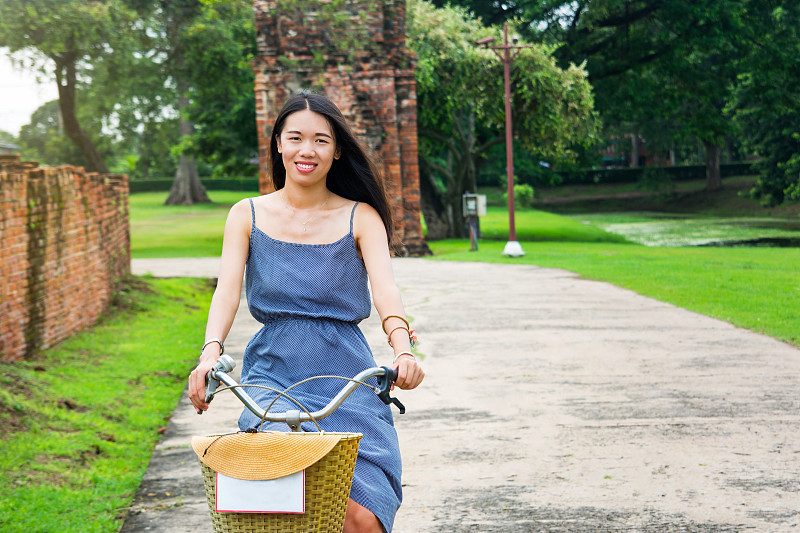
8	148
632	151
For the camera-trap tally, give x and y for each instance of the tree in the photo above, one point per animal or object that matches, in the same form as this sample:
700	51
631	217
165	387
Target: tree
461	110
177	16
72	34
166	81
7	137
142	105
527	15
220	45
663	66
766	104
202	49
666	65
43	139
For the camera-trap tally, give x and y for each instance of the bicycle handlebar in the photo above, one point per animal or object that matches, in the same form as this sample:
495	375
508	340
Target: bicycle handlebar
219	373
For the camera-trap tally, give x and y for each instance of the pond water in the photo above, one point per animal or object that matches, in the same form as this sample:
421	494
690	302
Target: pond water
768	242
657	231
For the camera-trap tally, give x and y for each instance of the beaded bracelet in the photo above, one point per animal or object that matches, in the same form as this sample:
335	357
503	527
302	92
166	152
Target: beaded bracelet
383	324
209	341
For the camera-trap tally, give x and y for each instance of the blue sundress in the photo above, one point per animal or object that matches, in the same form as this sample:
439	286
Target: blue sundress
310	299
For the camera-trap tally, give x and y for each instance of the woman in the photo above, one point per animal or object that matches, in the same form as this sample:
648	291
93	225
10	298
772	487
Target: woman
310	249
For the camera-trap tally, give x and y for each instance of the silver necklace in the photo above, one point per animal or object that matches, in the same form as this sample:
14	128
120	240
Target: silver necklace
294	211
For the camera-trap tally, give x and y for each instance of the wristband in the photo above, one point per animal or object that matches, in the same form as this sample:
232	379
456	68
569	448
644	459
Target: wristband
221	346
398	356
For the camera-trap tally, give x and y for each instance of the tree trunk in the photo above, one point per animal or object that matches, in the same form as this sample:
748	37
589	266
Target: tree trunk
443	209
432	205
713	174
634	151
186	189
65	77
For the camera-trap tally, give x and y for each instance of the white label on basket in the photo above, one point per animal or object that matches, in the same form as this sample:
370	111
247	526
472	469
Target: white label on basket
282	495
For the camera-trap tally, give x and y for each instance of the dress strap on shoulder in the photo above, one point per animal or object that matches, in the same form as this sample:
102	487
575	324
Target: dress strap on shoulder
252	211
352	215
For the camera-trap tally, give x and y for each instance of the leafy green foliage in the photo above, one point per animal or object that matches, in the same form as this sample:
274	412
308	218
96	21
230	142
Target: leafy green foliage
767	100
219	46
523	195
673	71
130	57
528	167
44	140
7	137
667	74
460	102
70	40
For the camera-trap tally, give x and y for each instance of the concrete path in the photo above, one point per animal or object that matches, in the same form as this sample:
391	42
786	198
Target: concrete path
552	404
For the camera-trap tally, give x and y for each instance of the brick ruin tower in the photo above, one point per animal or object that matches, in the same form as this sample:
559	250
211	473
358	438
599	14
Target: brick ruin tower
356	55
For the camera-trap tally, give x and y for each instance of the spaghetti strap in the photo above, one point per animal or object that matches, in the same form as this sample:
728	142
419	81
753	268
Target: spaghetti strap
253	212
352	215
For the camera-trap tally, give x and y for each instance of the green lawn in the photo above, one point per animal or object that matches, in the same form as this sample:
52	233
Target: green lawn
80	420
533	225
179	231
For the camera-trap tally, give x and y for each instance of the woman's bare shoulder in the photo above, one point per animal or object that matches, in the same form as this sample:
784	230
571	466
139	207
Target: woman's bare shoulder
246	205
367	212
368	223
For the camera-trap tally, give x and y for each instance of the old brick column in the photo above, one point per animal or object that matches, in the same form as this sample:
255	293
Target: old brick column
371	81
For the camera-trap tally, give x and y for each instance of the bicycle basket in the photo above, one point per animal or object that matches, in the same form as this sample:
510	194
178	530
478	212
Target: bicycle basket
327	458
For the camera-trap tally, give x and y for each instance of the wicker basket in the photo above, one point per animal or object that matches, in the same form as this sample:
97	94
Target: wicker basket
327	491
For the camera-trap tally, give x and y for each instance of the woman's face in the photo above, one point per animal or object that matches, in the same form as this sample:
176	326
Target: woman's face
307	147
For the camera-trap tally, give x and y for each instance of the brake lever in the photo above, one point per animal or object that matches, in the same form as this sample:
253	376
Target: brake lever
385	385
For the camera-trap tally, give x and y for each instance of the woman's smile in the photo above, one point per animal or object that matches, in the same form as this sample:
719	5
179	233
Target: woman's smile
305	167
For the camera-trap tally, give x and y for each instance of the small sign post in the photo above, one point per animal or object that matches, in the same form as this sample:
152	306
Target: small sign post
473	206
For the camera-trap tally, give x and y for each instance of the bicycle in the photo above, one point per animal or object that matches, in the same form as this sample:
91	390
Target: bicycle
326	460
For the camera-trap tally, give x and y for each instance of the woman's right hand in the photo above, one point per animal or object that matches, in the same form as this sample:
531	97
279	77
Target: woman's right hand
197	379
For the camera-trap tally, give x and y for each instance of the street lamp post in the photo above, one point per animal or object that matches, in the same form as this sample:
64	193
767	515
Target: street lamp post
504	52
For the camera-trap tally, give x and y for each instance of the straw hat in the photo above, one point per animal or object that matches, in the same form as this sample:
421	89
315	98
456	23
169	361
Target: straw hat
263	455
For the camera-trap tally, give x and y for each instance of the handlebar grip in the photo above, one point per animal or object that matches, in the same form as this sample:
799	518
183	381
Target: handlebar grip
224	364
391	373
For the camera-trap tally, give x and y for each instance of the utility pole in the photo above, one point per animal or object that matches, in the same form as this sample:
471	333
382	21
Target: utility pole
507	52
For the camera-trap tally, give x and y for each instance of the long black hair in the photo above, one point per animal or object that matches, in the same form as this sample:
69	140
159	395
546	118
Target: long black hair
354	175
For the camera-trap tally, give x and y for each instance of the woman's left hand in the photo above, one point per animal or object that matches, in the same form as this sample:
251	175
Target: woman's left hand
409	372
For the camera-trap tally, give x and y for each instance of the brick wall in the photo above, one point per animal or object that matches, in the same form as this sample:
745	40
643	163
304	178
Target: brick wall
373	85
64	246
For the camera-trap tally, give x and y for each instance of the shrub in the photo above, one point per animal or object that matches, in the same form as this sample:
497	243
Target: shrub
523	195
